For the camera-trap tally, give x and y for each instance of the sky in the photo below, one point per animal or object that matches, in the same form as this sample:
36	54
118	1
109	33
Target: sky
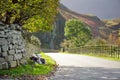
104	9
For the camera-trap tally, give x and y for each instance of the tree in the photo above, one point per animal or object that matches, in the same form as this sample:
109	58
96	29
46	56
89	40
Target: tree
77	32
33	15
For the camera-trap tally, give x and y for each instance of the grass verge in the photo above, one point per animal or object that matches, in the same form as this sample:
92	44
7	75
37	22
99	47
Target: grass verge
104	57
90	54
31	68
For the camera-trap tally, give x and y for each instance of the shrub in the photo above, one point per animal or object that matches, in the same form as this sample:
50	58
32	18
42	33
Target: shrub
97	42
35	41
67	44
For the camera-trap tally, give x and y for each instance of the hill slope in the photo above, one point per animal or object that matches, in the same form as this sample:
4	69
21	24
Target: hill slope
93	21
100	28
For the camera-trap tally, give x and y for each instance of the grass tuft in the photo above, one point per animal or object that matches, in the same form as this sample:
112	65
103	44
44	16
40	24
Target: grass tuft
31	68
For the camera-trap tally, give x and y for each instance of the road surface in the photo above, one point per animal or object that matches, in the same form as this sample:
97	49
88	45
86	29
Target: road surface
80	67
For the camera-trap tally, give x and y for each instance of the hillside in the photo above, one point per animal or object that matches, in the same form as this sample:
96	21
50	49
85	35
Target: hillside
96	25
106	29
114	26
93	21
99	28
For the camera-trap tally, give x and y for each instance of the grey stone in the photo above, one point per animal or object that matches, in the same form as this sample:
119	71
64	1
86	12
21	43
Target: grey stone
23	61
9	36
19	43
19	48
19	51
12	26
1	24
23	50
17	56
5	65
16	46
0	54
19	33
4	54
0	50
3	41
1	27
17	38
2	60
18	62
10	33
0	66
11	52
10	46
13	64
14	37
13	42
18	28
16	51
2	36
7	31
9	58
5	48
6	26
24	54
2	32
15	32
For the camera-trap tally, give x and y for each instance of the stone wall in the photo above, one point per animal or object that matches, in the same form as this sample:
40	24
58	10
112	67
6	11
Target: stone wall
12	48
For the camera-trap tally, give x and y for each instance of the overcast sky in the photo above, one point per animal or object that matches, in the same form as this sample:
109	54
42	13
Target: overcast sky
104	9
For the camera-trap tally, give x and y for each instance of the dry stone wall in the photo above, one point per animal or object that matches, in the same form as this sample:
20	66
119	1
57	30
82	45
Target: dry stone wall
12	48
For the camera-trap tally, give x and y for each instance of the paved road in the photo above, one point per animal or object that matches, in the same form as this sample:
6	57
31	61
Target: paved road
80	67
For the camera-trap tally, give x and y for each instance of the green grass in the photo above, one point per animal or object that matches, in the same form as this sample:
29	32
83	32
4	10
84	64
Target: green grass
104	57
31	68
90	54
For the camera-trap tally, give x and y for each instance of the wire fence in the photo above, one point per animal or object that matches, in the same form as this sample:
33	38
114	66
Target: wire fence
105	51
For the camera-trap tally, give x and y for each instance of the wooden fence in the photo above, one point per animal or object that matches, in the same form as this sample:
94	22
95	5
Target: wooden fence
106	51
